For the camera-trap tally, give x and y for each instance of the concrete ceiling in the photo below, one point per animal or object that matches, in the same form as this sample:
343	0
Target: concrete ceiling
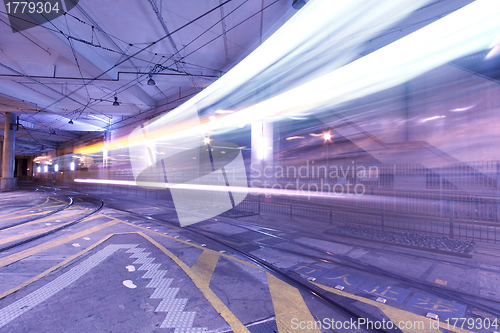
72	67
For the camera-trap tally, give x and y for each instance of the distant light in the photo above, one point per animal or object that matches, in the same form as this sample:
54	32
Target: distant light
327	136
212	118
151	82
206	140
223	111
432	118
72	166
46	168
39	169
56	167
115	103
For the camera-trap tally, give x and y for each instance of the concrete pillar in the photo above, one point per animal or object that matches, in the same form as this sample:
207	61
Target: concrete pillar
1	154
8	182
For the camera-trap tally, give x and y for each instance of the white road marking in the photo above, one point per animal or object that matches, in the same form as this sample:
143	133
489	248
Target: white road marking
76	245
176	317
130	268
129	284
21	306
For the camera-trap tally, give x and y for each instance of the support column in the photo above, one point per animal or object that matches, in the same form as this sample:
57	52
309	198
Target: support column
1	155
8	182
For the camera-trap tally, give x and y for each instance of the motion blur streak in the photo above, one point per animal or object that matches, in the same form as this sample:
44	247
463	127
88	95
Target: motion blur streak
323	36
468	30
217	188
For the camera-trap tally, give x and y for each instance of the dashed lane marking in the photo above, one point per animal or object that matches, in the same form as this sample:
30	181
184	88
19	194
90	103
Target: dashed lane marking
395	315
204	266
395	312
16	309
37	232
48	218
22	216
441	282
203	286
288	305
30	208
61	264
48	245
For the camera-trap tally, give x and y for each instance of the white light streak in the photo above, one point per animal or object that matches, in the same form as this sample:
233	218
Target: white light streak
462	109
432	118
468	30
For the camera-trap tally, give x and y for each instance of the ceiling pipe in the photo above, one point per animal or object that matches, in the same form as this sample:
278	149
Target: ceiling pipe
108	80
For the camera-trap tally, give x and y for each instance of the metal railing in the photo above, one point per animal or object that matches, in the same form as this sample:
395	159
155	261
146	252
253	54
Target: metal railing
460	200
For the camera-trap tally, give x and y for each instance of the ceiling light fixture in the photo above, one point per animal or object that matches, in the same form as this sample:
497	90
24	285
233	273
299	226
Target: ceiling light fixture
151	82
298	4
115	103
70	121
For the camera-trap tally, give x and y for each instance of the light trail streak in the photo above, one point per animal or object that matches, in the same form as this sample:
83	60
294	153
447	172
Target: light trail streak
321	27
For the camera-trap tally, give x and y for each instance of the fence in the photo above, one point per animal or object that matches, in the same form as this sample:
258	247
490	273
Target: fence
460	200
454	223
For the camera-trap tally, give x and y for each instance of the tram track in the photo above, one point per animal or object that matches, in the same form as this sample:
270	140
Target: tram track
359	265
330	258
70	204
99	207
310	289
321	255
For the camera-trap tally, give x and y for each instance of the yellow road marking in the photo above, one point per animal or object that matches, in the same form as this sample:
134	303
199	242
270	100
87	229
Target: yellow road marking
53	243
48	218
30	208
39	231
53	268
288	305
184	242
396	315
27	215
441	282
204	266
203	286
